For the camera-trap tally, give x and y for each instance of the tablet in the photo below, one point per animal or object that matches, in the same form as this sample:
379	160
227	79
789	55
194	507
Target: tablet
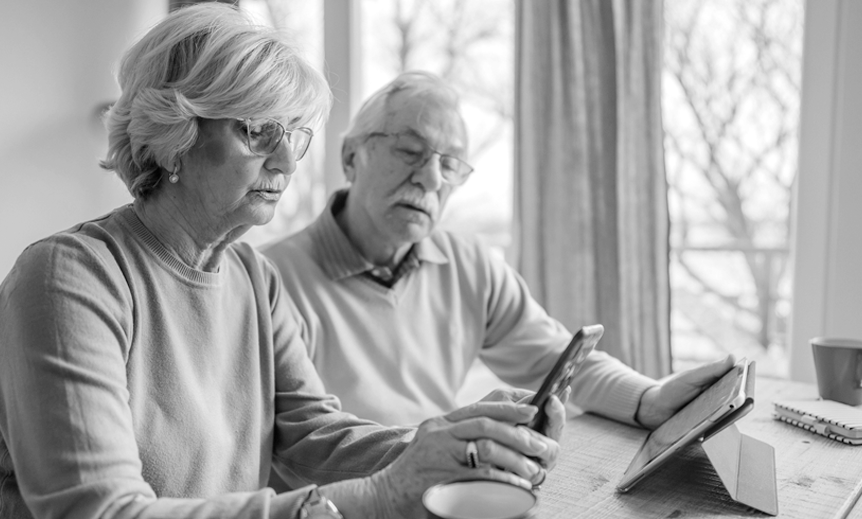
560	376
726	401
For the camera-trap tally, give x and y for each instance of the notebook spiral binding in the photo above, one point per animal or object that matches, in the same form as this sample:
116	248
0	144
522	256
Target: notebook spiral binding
818	430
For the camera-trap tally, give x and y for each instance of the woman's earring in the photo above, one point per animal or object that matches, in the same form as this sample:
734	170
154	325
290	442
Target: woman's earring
174	178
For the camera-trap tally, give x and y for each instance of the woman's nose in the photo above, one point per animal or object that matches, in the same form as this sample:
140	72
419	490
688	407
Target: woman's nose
282	159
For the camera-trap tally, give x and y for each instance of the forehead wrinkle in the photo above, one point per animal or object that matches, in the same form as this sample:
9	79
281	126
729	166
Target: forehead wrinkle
441	125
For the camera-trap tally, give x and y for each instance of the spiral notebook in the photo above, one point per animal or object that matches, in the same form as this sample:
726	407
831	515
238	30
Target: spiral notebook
837	421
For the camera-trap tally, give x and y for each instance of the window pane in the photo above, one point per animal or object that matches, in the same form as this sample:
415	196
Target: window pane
470	44
731	90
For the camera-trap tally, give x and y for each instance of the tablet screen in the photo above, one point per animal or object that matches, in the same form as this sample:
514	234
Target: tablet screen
692	421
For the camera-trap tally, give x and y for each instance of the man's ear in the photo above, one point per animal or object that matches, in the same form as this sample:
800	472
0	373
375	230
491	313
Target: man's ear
348	159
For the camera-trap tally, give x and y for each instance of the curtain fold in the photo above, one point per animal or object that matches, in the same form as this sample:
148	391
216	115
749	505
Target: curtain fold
591	194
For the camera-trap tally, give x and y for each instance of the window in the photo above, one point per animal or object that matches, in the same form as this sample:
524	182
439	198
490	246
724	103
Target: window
731	90
470	44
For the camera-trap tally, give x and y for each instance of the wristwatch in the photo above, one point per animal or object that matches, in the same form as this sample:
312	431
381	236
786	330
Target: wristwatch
316	506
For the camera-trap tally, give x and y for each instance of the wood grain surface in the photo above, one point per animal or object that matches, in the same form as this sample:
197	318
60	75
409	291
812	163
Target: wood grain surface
817	477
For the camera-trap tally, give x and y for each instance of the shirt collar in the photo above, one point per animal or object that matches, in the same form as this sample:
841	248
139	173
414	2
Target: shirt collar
337	255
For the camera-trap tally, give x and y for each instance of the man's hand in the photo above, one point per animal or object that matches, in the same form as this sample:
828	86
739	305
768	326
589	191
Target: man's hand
660	402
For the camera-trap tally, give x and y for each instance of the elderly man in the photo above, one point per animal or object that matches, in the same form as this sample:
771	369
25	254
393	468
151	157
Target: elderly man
396	311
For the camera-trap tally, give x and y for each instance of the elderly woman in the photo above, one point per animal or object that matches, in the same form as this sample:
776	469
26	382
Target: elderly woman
152	367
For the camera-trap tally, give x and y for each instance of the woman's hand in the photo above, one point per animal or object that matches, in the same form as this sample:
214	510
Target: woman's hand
555	408
507	452
660	402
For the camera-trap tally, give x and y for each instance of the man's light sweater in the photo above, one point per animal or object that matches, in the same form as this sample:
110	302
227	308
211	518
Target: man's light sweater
399	355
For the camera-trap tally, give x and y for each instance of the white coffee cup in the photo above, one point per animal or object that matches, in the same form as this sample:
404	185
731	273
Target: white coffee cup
479	499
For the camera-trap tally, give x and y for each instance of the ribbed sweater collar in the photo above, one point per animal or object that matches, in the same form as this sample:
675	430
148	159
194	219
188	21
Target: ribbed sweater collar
149	240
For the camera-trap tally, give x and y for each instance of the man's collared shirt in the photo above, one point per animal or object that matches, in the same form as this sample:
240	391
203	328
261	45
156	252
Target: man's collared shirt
337	255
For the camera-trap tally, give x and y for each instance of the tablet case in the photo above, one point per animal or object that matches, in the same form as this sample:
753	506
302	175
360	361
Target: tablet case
745	465
834	420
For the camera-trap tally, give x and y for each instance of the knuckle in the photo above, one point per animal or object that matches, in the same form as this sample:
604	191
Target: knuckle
483	426
485	448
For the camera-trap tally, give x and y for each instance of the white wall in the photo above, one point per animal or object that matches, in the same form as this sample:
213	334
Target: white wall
827	294
57	60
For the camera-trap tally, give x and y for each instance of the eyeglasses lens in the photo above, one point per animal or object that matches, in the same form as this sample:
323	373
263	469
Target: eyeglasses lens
263	139
299	139
417	152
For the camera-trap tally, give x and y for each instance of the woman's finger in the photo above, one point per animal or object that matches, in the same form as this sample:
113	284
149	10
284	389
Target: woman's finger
519	438
556	422
496	474
513	394
501	456
509	412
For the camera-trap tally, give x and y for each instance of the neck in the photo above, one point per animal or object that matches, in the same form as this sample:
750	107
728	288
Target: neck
197	245
377	250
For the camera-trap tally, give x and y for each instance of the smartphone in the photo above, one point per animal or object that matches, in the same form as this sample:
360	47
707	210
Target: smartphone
564	370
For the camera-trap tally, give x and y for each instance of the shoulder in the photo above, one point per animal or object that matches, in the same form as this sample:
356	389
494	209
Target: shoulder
266	284
455	244
296	245
260	268
467	252
86	264
300	259
91	245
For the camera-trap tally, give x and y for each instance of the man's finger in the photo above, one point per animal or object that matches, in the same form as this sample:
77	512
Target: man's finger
708	373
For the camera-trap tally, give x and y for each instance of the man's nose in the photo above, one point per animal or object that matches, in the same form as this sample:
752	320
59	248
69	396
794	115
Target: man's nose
429	175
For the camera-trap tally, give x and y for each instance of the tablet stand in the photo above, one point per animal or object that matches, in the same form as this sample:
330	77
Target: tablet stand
746	467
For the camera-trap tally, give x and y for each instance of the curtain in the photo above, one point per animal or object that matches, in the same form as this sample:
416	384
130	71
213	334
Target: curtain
590	187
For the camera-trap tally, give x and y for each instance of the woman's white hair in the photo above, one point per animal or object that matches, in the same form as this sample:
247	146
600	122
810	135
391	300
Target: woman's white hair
204	61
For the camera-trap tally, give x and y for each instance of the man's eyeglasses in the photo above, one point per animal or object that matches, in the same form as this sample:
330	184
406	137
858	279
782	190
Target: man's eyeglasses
414	151
264	137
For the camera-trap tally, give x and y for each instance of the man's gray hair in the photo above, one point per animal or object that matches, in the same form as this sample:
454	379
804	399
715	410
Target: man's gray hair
420	85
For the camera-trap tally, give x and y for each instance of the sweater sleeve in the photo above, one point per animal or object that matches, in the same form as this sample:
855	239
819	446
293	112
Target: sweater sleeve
68	447
316	442
523	342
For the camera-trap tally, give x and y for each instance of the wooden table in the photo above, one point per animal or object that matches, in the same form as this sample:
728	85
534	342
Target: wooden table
817	477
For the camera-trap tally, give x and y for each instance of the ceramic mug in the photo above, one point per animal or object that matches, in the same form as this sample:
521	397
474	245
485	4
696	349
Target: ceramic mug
480	499
838	363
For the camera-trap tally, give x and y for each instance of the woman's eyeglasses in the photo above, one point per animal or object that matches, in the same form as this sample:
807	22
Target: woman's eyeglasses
264	137
415	151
